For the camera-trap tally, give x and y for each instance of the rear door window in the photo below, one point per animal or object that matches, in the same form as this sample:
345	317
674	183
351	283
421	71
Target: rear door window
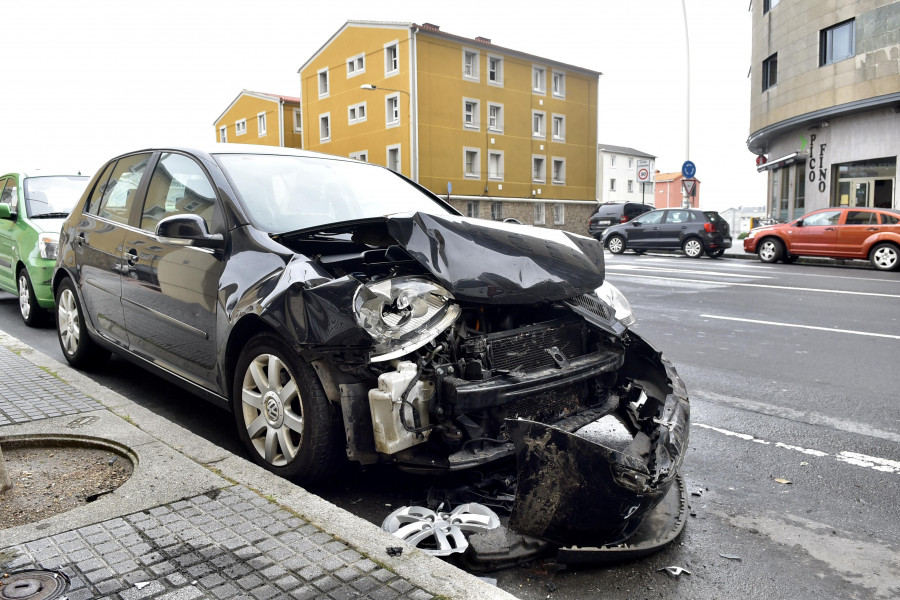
861	217
118	195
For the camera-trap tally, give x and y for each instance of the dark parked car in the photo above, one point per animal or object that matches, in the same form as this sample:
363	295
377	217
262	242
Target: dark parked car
862	233
691	230
613	213
342	311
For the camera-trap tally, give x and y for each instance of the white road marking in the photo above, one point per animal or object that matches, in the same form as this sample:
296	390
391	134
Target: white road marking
762	285
797	326
883	465
691	271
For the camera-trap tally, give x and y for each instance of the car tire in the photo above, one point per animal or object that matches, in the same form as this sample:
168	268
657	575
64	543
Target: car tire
693	247
790	259
715	253
639	251
616	244
31	311
282	414
885	257
770	250
74	340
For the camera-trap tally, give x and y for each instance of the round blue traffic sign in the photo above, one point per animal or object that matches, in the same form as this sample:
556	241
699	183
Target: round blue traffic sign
688	169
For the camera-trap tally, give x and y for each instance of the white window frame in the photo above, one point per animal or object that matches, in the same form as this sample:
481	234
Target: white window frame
497	126
538	177
323	78
559	214
223	134
392	116
298	120
539	80
474	75
476	153
498	79
498	176
356	65
558	84
392	66
356	113
261	124
558	180
630	162
539	124
471	119
539	213
240	127
387	156
559	133
326	119
362	155
496	210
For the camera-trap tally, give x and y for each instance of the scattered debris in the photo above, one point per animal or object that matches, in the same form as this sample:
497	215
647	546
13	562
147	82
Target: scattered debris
141	584
489	581
675	572
440	533
730	556
551	587
783	481
394	550
804	463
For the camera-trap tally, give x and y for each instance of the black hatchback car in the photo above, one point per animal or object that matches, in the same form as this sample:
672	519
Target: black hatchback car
691	230
341	311
613	213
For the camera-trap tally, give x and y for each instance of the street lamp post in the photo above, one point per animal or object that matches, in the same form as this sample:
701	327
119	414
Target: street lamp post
686	201
414	175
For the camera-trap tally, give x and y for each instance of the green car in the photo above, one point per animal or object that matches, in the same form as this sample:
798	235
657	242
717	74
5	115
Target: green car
32	210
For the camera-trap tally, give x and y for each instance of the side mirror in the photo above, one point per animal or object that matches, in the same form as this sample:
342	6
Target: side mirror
5	212
799	223
636	223
188	230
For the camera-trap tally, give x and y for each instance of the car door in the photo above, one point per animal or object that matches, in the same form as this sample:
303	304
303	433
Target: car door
642	232
98	241
816	236
858	226
8	196
672	229
170	290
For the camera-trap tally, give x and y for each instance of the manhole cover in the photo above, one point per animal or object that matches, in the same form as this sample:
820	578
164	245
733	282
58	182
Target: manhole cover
33	585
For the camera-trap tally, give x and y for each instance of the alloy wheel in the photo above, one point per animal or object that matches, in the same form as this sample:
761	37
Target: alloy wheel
24	297
693	248
68	322
885	257
272	411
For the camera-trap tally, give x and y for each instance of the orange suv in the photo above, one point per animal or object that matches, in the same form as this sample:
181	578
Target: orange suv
871	234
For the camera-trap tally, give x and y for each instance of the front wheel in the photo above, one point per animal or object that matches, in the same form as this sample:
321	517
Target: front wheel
770	251
693	247
31	312
616	244
885	257
282	413
74	341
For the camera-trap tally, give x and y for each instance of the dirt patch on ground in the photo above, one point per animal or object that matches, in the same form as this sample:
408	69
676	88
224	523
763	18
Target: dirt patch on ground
48	480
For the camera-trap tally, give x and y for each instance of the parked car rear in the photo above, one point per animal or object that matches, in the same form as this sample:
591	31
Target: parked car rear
691	230
861	233
613	213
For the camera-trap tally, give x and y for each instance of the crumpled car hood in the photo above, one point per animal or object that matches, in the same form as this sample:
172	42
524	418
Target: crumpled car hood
499	263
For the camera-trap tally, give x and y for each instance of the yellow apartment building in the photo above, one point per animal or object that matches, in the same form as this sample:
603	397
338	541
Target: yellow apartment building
257	118
501	133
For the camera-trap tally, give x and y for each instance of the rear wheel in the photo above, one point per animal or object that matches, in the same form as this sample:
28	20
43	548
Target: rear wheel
282	413
616	244
76	344
31	312
639	251
693	247
885	257
770	250
715	253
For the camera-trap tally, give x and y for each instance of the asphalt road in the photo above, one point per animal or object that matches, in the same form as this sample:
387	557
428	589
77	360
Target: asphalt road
794	462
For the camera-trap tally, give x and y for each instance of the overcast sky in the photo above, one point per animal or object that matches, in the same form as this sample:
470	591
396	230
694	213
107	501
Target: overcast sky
85	80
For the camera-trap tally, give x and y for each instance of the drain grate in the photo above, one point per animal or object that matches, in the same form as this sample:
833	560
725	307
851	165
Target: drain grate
33	585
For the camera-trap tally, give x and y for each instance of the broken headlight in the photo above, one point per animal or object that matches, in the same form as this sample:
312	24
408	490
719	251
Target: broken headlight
611	295
403	314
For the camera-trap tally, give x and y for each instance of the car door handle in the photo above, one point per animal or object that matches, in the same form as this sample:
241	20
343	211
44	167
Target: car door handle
831	229
131	257
79	239
872	229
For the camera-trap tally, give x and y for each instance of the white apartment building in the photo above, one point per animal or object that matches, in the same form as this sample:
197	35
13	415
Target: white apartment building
618	170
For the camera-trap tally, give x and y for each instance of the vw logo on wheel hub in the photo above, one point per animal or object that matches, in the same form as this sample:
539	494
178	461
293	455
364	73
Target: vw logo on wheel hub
274	409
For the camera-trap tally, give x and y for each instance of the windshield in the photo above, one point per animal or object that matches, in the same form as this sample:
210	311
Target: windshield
53	196
288	193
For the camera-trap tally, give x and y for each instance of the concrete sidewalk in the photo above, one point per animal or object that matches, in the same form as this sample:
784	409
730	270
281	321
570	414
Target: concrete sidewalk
193	521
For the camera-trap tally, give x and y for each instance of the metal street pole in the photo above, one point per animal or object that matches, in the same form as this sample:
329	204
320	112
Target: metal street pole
685	201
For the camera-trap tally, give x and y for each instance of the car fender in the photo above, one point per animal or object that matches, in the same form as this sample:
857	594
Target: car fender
877	238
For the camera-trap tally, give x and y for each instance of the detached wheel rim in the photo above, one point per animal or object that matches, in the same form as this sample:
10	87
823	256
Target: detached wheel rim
693	248
767	251
68	321
272	411
885	257
24	297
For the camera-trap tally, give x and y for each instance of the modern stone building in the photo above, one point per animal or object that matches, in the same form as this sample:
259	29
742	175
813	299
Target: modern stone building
825	105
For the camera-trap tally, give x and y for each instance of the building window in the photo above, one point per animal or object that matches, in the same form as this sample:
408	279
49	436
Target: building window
261	123
630	186
393	158
495	70
223	134
770	72
392	110
800	194
559	170
356	65
539	214
240	127
325	127
538	80
472	209
495	165
538	169
470	114
837	43
298	120
559	128
612	185
323	83
559	214
497	211
538	129
769	5
559	85
495	118
356	113
362	155
470	64
391	59
630	162
612	160
472	163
